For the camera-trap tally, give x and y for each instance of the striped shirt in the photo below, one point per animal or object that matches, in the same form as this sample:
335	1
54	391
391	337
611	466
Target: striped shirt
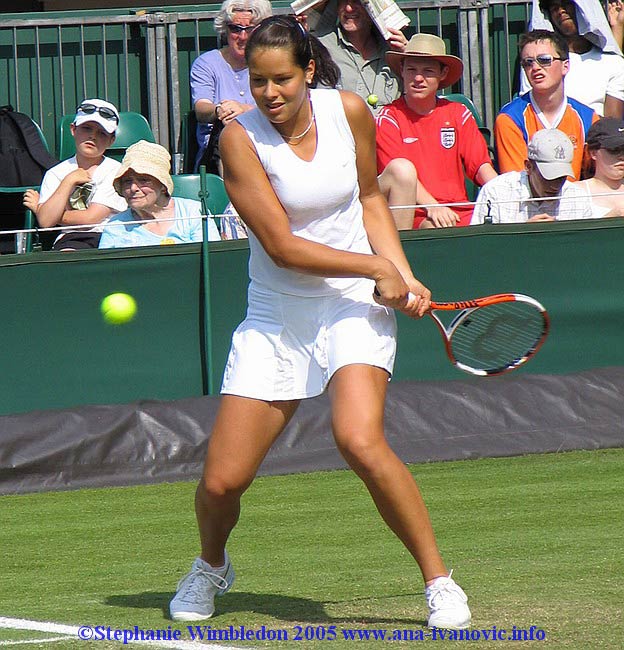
508	199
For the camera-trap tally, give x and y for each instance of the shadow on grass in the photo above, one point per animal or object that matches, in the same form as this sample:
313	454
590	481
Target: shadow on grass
285	608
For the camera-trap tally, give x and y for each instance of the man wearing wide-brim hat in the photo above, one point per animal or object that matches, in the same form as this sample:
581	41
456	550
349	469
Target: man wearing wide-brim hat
425	144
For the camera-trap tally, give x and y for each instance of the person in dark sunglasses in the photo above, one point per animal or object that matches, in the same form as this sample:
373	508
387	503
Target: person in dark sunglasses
220	79
79	191
544	57
596	75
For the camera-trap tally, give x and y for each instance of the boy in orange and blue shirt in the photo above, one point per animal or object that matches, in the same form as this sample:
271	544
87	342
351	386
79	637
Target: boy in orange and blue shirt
545	58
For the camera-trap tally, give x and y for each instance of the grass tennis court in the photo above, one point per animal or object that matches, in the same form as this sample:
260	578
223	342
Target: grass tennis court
534	541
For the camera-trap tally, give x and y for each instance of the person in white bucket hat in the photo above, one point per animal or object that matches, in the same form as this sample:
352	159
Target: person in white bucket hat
154	216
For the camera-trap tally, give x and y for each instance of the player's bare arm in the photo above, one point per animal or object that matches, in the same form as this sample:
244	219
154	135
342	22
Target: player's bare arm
251	193
378	220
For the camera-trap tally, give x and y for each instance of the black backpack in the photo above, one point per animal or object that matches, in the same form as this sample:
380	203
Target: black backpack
24	159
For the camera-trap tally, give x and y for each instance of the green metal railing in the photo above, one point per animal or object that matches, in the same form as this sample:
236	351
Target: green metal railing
140	60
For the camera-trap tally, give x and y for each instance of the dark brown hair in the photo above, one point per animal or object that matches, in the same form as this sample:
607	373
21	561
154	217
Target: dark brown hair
284	32
536	35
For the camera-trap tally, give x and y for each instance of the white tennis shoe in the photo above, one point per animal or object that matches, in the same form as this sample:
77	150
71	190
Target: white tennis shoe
194	600
448	604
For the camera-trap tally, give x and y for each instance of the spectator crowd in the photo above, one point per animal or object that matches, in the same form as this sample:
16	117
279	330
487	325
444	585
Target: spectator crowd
557	150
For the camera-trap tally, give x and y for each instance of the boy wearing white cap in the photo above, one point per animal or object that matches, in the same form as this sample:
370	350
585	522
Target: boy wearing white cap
79	191
541	192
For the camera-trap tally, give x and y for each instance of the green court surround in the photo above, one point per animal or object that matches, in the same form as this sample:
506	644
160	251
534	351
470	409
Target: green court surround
59	353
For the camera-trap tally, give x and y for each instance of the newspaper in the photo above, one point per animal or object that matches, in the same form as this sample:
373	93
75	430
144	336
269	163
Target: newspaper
80	198
384	13
301	6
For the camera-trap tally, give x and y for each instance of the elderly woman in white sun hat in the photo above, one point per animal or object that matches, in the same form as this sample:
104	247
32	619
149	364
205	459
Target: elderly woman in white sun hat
144	181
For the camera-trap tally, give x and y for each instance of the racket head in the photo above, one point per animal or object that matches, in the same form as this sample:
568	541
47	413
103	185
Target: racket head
494	334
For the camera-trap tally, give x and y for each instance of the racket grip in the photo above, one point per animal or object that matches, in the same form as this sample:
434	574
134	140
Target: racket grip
410	295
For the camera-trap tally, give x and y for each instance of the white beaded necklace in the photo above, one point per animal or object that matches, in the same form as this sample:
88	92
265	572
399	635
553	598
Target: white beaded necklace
304	132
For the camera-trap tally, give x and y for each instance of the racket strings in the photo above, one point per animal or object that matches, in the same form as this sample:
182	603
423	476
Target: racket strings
497	336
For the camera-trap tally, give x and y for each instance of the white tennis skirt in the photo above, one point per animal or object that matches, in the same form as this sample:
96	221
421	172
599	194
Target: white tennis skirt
289	347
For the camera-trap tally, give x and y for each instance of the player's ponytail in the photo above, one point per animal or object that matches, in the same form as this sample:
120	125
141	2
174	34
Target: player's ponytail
327	73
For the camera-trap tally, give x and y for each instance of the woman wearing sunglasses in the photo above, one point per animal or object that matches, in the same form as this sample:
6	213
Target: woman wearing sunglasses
220	79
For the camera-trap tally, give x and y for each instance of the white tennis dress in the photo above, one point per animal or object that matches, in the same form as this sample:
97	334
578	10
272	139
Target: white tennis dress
299	329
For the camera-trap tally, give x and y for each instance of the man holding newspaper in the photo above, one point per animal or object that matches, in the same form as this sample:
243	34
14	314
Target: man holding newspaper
365	31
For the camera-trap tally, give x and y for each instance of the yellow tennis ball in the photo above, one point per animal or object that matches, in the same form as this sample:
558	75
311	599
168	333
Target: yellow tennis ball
118	308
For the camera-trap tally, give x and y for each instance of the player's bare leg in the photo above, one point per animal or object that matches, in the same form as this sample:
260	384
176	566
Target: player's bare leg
357	394
242	435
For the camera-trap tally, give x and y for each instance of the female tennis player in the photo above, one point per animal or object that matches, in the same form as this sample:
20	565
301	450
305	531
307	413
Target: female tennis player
300	170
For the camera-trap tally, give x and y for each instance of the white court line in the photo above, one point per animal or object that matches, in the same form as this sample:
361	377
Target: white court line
72	631
56	639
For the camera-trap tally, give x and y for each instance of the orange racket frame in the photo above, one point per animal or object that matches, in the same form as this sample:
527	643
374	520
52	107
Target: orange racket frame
467	307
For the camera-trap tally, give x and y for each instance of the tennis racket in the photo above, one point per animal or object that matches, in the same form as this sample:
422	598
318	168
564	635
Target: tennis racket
493	334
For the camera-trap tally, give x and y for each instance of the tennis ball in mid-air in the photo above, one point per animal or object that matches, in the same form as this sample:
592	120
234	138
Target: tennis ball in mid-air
118	308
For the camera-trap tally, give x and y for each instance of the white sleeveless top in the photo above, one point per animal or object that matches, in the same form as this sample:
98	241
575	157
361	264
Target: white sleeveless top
598	211
320	197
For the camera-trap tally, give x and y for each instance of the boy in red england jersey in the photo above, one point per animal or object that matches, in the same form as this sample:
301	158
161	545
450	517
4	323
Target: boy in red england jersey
426	145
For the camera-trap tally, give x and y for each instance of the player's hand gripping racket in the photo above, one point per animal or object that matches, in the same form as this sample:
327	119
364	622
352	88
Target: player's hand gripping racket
494	334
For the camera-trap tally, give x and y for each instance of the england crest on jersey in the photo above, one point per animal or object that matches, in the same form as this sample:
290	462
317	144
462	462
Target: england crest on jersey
447	137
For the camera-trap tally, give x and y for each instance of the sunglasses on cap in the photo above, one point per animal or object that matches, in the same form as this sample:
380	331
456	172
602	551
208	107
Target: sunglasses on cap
543	60
106	113
240	29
